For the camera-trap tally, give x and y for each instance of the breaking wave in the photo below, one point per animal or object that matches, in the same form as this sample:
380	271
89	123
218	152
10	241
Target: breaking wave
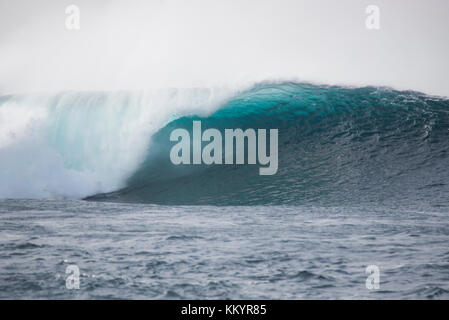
336	145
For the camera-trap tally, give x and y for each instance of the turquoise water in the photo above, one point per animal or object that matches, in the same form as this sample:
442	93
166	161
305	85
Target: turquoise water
337	146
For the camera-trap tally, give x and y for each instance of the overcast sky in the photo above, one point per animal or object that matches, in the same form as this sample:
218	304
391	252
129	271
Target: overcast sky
137	44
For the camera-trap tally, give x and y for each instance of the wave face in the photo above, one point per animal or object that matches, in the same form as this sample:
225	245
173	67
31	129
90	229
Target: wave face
336	146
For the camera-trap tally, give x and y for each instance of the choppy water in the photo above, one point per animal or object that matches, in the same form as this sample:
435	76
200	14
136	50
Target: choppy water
170	252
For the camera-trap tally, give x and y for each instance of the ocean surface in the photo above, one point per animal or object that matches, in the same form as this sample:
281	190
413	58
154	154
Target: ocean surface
141	251
86	180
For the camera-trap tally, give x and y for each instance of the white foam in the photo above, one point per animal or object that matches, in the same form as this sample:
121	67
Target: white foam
76	144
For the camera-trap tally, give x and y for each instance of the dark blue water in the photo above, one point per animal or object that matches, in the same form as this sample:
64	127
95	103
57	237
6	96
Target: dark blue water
176	252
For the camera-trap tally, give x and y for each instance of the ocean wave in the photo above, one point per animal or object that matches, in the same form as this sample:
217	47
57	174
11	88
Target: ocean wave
336	145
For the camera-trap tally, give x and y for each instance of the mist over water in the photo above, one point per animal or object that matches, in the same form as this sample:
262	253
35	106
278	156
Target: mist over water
201	43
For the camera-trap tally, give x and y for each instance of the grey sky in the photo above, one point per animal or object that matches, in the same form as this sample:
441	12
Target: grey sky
143	44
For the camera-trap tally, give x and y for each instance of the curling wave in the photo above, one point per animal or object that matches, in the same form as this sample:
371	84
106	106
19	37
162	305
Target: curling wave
336	145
